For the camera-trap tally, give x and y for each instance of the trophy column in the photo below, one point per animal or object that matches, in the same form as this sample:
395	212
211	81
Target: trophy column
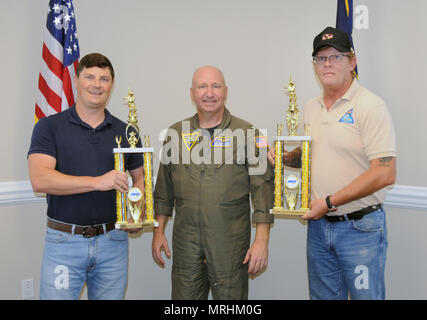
305	172
291	192
278	149
148	179
119	165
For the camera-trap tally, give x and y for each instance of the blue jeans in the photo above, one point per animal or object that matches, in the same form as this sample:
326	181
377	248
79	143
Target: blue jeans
70	260
347	258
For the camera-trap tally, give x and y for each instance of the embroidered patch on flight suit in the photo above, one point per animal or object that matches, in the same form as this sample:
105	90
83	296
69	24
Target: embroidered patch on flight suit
222	142
190	139
348	117
261	142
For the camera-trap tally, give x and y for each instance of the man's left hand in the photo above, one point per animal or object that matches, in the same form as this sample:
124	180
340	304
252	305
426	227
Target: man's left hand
257	256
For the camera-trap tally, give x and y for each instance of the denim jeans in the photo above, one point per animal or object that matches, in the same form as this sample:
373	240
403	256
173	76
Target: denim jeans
70	260
347	258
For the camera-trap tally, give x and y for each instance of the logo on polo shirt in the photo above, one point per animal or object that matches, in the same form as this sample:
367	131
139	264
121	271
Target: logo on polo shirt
348	117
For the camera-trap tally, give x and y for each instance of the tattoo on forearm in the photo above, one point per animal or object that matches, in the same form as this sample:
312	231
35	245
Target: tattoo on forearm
385	161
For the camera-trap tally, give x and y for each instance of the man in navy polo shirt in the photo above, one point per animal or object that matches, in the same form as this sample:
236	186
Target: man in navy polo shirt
71	160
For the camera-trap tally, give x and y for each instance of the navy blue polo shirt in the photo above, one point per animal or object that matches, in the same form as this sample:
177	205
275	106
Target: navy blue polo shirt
81	150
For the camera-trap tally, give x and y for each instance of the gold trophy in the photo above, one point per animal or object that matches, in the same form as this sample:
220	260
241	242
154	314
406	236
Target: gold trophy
291	191
133	204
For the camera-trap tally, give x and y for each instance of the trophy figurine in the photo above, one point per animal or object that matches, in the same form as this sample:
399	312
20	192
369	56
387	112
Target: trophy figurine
134	203
291	191
132	209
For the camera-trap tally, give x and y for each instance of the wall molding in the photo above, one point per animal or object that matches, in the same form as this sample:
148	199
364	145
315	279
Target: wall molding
401	196
407	197
18	192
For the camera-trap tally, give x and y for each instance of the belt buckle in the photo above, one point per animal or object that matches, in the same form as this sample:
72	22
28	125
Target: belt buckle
85	233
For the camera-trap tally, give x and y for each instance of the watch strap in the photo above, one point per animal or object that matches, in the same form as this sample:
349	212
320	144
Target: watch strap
331	207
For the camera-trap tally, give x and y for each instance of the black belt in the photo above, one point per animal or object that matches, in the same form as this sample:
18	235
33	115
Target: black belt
86	231
356	215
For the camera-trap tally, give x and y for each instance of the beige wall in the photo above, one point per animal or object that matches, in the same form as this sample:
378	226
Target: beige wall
155	46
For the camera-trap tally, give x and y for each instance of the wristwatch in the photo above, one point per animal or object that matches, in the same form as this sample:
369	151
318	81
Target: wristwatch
331	207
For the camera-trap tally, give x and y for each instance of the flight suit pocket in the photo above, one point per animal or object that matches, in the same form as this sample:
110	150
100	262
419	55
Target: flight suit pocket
235	203
233	183
237	215
182	182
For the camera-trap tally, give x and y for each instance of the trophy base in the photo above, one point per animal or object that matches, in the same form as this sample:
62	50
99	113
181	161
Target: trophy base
283	211
145	223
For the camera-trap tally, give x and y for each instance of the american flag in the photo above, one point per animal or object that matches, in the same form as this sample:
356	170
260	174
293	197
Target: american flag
60	56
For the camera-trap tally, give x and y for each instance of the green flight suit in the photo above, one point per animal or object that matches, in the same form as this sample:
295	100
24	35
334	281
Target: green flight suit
212	228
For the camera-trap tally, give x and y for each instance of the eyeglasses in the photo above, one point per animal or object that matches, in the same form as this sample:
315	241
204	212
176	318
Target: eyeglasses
335	58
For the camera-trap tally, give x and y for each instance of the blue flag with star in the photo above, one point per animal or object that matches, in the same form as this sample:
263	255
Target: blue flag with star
345	19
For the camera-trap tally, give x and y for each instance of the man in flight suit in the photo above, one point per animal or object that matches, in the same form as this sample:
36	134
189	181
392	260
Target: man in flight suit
211	234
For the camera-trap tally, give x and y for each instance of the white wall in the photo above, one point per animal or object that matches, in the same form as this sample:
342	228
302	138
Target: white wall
155	46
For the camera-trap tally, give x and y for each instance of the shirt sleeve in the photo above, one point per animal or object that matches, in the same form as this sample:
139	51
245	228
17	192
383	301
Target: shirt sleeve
262	194
262	188
163	195
43	139
377	133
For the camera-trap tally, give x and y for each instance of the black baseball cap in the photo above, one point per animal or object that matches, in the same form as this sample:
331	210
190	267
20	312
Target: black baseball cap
332	37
